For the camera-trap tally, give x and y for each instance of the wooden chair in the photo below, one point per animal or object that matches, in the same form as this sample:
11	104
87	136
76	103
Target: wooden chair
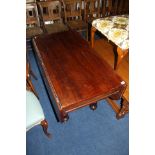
110	7
33	27
51	16
73	16
30	1
117	7
34	113
29	73
92	10
104	8
123	7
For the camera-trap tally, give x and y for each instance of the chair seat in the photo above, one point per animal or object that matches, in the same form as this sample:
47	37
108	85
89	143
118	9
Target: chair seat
34	111
77	24
56	27
33	31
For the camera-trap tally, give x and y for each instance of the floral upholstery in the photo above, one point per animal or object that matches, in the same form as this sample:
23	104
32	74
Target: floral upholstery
115	28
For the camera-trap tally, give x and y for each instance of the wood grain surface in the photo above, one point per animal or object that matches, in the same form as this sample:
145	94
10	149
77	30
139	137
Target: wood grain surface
75	74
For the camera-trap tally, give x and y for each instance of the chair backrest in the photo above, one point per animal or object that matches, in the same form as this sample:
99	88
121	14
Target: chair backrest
51	11
123	7
32	18
30	1
109	7
104	8
116	7
72	10
92	9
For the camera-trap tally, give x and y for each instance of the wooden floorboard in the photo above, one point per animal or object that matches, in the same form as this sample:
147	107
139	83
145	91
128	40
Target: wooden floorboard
105	50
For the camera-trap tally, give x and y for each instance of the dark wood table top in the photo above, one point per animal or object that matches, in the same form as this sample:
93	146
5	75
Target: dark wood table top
75	74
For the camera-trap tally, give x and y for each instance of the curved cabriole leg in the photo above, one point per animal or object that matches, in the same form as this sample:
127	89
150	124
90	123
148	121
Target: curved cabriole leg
120	55
44	125
93	106
123	110
30	86
93	30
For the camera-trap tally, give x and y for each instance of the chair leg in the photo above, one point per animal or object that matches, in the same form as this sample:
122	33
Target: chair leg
44	125
31	87
124	108
120	56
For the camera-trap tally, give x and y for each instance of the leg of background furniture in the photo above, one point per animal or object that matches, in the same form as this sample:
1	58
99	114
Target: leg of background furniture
93	106
93	30
44	125
30	85
120	55
124	108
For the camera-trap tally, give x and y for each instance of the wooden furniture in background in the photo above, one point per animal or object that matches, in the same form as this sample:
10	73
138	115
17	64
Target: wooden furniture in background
51	16
33	26
116	29
73	16
103	8
107	54
29	73
77	14
74	75
92	10
30	1
118	7
123	7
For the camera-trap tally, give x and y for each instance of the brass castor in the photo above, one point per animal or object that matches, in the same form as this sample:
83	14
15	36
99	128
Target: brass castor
93	106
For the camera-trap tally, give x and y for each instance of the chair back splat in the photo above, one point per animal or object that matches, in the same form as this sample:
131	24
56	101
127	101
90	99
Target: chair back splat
51	16
73	16
116	7
92	9
33	26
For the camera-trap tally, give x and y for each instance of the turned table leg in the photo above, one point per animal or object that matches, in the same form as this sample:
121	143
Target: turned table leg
28	79
124	109
44	125
120	55
121	110
93	30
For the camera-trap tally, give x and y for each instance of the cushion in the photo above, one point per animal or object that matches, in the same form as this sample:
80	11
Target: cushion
33	31
56	27
34	111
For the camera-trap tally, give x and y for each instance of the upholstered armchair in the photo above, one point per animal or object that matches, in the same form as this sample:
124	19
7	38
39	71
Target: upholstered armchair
34	113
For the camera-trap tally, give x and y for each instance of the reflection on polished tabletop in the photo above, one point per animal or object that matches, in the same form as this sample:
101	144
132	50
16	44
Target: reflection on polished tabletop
75	76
